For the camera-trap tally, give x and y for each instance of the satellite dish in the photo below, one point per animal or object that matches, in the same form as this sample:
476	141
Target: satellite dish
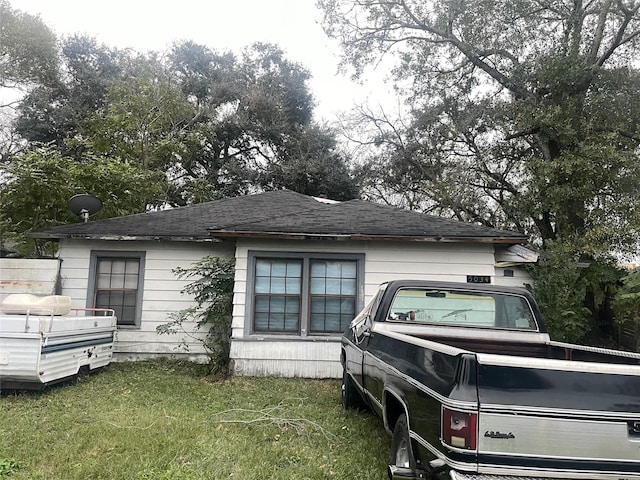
84	205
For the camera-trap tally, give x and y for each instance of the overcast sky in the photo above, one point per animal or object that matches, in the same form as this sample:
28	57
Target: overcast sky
222	25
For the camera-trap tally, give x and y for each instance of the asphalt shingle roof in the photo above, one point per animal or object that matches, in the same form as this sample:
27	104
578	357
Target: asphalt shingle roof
281	213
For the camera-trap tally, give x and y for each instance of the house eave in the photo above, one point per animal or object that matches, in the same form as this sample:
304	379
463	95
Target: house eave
153	238
225	234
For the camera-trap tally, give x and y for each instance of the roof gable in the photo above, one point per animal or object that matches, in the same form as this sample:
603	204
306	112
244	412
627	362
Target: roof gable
281	213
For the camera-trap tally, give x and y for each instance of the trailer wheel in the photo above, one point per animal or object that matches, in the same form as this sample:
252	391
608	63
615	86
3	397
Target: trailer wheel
401	452
351	399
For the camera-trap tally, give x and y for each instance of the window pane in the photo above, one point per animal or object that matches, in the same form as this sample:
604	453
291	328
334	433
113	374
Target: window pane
291	323
262	284
132	267
278	269
332	323
262	304
294	269
348	306
317	305
349	270
318	286
333	270
332	305
333	287
117	267
348	286
278	285
104	280
276	305
318	269
263	268
131	281
293	285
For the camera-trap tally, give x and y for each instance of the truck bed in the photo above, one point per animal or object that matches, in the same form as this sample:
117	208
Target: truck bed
550	350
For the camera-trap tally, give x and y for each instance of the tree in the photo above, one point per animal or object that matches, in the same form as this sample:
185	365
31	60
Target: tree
252	123
38	184
311	163
140	120
55	111
523	113
28	49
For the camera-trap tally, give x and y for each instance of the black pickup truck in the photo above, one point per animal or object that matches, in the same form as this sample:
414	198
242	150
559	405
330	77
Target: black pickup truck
471	387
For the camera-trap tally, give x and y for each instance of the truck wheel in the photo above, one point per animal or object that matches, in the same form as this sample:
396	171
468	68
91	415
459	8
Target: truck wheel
351	399
401	453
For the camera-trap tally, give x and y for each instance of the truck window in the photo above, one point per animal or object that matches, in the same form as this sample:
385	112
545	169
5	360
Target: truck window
462	308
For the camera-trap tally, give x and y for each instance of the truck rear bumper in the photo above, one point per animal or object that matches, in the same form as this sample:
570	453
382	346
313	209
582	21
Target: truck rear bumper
592	476
475	476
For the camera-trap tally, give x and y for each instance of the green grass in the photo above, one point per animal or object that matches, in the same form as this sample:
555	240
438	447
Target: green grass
165	421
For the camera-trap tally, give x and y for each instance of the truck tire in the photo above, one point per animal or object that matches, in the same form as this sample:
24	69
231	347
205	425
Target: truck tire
401	452
351	399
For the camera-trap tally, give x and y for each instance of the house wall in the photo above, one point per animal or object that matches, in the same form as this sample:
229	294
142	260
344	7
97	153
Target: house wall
160	297
318	357
253	355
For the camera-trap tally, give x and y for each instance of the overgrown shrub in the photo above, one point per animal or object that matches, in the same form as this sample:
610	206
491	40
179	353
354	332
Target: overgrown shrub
575	293
626	307
559	289
212	290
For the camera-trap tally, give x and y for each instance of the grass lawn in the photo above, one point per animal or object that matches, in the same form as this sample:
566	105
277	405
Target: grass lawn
165	421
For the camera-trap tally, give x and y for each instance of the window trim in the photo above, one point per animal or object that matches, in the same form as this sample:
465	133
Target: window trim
114	254
305	300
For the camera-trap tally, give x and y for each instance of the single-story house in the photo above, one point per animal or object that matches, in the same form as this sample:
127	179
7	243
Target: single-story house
304	266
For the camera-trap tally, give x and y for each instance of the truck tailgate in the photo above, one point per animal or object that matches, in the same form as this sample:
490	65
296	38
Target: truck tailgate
572	419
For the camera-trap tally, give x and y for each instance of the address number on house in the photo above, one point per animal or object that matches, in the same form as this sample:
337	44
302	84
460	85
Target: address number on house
478	279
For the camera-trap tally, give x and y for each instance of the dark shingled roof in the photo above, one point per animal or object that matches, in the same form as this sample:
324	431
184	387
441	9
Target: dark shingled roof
283	214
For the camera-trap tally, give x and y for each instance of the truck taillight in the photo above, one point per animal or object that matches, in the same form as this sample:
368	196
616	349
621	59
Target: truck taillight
459	429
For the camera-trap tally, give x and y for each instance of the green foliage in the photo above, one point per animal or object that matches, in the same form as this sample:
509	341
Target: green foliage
54	112
28	49
212	291
140	121
627	301
7	467
626	305
215	124
575	293
560	289
521	114
310	163
38	184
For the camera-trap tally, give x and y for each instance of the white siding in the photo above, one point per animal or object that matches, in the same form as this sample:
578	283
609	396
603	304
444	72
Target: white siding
160	298
309	357
266	354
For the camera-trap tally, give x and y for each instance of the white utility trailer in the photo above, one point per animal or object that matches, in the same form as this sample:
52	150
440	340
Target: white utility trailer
44	341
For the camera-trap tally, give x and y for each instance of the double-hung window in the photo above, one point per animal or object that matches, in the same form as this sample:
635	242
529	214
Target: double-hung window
304	294
116	282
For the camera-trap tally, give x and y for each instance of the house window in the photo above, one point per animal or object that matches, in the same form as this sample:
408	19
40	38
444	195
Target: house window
304	294
117	284
278	288
332	295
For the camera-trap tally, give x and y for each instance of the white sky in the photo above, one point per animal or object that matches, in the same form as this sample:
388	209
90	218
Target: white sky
222	25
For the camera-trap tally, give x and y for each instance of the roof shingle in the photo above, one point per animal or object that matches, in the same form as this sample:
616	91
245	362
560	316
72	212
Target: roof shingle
281	213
